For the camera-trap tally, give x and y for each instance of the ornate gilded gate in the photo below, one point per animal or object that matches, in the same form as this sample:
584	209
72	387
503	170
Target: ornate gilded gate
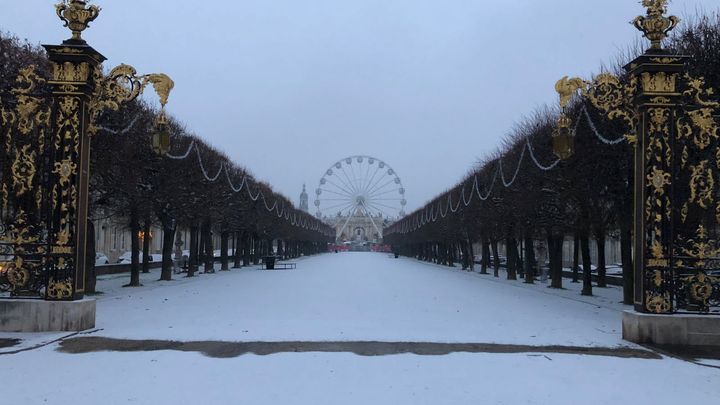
692	161
26	113
45	158
673	123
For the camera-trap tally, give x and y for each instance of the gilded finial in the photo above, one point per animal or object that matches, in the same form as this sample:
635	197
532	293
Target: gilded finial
656	25
76	15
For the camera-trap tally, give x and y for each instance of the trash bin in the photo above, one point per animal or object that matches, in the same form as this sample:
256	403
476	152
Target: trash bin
270	262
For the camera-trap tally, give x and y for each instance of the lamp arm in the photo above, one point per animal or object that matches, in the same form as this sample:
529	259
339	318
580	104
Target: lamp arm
123	85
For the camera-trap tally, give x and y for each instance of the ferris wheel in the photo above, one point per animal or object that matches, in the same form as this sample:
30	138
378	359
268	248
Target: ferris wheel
360	186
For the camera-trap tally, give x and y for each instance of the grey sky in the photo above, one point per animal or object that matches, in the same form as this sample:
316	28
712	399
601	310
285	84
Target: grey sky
288	87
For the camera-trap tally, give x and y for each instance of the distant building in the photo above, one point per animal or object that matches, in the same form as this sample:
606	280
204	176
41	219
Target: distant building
358	228
304	201
112	237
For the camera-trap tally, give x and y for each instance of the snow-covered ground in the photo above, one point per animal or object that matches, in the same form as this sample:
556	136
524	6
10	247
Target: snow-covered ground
351	297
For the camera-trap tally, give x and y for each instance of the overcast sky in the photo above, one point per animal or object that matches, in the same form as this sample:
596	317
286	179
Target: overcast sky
288	87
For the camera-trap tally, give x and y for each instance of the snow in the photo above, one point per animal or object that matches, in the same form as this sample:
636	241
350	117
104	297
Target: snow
358	296
182	378
345	297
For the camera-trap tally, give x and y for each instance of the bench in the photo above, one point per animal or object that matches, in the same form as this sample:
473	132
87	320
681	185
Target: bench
285	266
273	263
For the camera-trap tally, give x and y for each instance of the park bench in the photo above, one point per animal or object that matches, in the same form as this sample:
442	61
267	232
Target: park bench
273	263
285	266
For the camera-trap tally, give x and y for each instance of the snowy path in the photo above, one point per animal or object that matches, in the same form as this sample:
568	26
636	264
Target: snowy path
358	296
353	297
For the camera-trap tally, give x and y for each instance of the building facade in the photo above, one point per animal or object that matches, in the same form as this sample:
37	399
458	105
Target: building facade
112	238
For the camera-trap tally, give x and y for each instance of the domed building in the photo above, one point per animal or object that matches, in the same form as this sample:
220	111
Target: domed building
304	206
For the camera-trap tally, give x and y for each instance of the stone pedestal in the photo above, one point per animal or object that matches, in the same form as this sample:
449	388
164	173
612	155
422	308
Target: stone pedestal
46	316
685	330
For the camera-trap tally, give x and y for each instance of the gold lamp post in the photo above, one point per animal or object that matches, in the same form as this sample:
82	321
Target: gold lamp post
161	136
563	136
607	92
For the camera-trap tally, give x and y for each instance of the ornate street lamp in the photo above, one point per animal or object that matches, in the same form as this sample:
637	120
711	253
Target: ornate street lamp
606	91
161	136
563	138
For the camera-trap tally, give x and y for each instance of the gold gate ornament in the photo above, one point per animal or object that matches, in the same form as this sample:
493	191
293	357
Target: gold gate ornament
47	139
672	122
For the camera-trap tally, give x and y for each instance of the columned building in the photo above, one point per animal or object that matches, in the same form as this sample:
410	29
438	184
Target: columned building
358	228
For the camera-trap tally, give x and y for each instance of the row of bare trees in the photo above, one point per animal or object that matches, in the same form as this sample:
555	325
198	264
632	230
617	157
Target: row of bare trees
587	197
131	183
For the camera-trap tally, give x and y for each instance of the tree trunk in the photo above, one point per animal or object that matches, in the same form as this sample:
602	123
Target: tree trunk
237	253
520	264
485	262
587	271
256	250
550	255
224	261
246	246
146	247
201	245
193	259
512	256
627	265
471	255
496	258
557	274
90	275
556	261
167	248
600	242
529	261
576	259
209	250
134	250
